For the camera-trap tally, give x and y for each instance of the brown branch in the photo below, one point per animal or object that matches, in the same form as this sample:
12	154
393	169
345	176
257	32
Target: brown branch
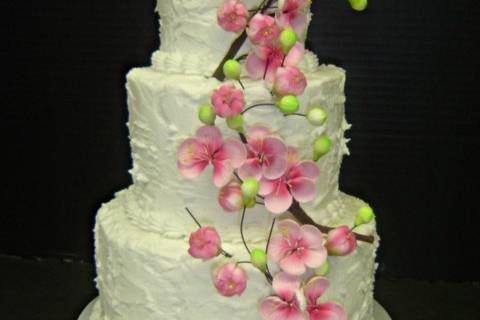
302	216
237	44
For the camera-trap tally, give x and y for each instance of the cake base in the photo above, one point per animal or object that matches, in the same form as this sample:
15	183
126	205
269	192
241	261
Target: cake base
92	312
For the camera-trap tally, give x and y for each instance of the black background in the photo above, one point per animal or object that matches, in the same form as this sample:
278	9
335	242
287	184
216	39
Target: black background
412	96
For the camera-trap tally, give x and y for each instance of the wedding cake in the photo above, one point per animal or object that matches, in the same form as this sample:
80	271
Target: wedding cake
237	138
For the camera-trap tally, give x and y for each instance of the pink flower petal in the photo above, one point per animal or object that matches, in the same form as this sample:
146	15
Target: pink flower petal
298	22
211	137
256	135
267	186
303	189
255	66
222	173
280	200
295	55
328	311
285	285
275	152
282	19
308	169
234	151
292	156
312	236
274	308
293	264
192	158
315	258
314	289
278	248
289	228
250	168
272	70
230	197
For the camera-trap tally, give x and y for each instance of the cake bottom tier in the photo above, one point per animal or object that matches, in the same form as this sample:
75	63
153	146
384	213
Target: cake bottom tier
143	275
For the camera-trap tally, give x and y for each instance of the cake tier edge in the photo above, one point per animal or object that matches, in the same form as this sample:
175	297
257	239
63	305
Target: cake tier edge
144	275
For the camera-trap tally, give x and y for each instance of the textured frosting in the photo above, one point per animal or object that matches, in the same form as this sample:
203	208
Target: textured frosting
141	237
190	34
163	112
145	275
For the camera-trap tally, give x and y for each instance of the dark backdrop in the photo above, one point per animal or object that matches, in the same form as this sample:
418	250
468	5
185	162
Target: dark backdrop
412	90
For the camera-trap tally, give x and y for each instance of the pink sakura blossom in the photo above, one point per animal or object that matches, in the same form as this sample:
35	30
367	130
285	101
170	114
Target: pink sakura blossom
285	304
289	80
204	243
291	13
230	197
232	16
341	241
267	155
194	154
230	279
262	30
313	290
297	247
265	60
298	182
228	101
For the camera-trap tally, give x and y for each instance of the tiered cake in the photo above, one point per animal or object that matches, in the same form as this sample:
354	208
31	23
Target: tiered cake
144	267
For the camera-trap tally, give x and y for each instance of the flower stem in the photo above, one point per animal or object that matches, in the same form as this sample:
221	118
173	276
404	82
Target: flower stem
226	254
237	176
241	84
302	216
241	230
257	105
270	235
242	57
295	114
267	273
266	68
193	217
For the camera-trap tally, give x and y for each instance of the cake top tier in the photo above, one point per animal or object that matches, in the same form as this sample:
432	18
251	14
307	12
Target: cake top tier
190	32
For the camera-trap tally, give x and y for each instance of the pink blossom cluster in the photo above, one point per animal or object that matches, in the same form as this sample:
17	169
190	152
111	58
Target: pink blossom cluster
286	303
208	147
228	101
297	247
267	59
282	175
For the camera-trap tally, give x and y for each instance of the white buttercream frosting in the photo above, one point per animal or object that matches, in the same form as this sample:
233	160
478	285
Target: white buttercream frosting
145	275
191	37
141	237
163	112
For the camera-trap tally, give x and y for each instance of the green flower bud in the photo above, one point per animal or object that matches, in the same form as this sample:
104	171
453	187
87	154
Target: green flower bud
249	202
323	270
365	215
288	104
358	5
250	188
232	69
317	116
207	115
258	257
235	123
287	39
321	146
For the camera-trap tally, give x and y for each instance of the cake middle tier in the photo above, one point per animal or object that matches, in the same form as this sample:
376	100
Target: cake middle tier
163	112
